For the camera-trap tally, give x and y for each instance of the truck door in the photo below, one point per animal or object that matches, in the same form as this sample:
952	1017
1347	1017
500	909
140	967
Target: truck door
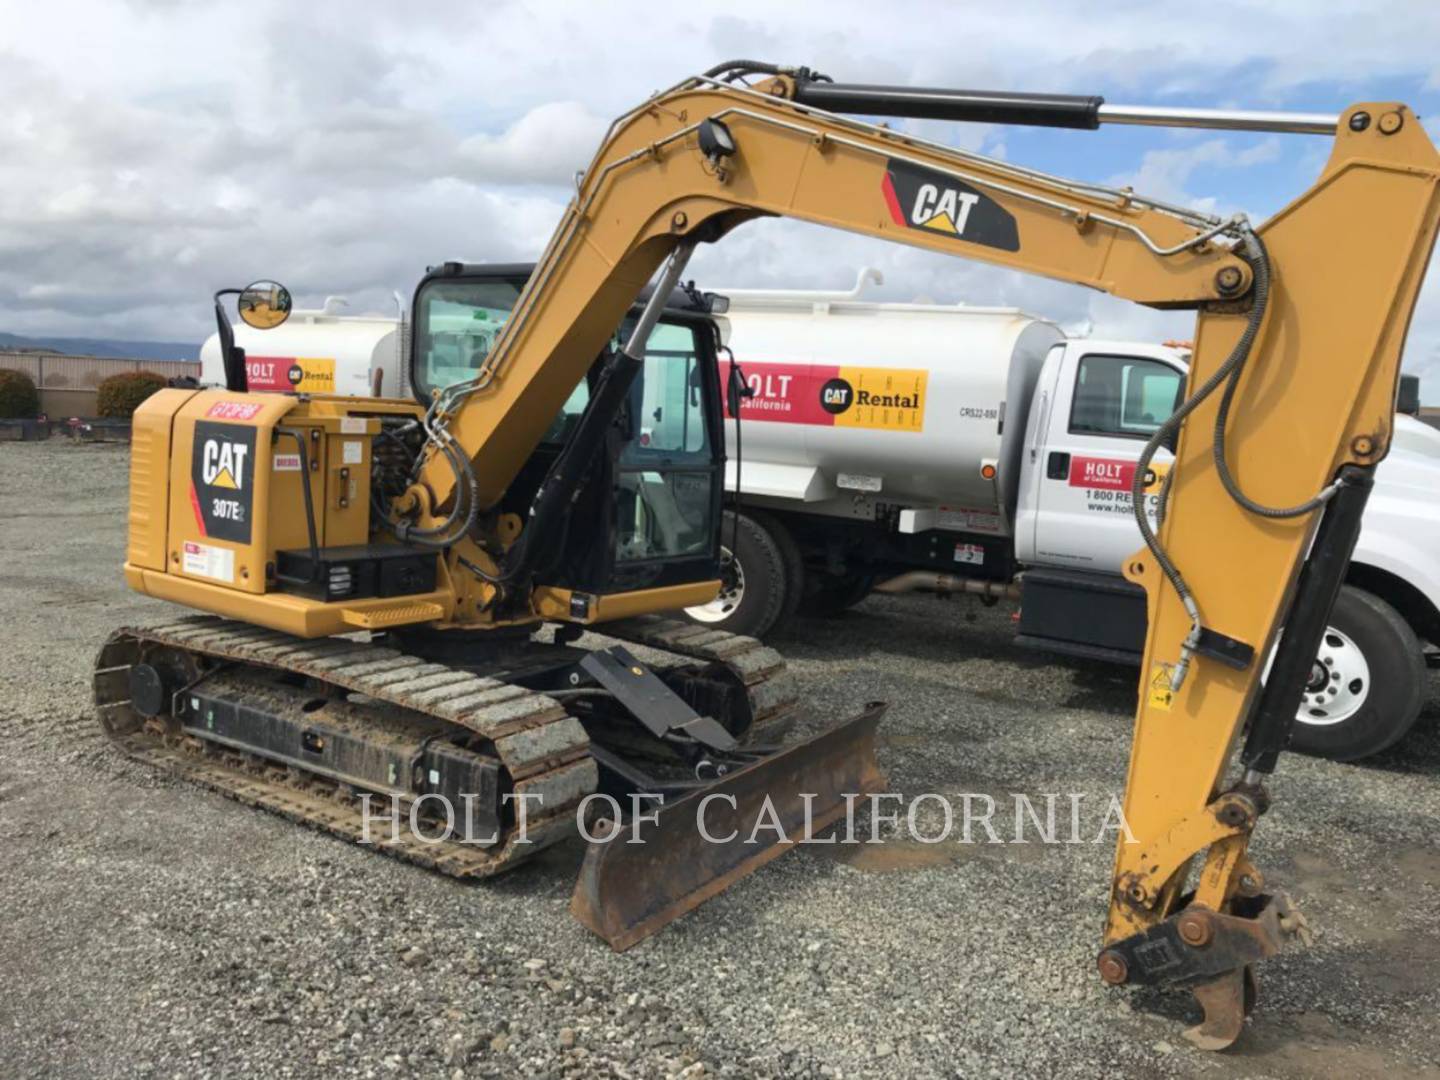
1108	403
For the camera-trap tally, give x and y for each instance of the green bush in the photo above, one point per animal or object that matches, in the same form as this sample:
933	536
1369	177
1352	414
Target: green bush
121	395
18	397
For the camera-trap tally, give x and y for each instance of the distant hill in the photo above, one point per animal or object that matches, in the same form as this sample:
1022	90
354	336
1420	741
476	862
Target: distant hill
133	350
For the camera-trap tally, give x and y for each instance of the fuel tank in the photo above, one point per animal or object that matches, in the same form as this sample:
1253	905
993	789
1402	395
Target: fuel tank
902	403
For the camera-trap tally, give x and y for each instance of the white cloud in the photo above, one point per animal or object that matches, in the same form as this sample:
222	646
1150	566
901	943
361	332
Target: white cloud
153	151
545	146
1165	173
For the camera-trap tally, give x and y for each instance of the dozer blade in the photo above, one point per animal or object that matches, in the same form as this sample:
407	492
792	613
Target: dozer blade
629	890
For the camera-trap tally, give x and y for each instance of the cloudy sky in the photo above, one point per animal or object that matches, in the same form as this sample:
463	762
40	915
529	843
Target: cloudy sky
155	150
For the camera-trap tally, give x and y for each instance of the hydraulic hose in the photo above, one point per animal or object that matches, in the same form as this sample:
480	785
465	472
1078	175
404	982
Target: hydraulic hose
734	69
1222	417
759	67
466	505
1252	249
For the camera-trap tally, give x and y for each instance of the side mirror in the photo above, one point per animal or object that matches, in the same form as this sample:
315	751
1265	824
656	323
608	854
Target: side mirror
1408	400
264	305
737	389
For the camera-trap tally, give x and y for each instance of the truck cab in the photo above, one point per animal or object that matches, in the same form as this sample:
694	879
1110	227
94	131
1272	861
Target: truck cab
1095	406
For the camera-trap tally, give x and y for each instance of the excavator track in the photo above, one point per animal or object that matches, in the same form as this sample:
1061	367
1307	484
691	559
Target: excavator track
773	694
541	748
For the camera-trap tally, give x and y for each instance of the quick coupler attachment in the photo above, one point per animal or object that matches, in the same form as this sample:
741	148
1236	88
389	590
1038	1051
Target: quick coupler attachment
1210	953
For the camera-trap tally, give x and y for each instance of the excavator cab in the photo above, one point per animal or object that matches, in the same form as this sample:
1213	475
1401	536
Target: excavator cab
648	517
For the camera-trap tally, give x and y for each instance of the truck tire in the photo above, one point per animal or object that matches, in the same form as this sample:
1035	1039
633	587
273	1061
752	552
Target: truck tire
828	595
1368	684
753	594
790	558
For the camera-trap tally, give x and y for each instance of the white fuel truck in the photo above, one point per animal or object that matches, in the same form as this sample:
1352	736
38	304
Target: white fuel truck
898	447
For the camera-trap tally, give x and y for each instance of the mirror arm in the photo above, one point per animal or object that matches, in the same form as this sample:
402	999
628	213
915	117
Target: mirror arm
231	357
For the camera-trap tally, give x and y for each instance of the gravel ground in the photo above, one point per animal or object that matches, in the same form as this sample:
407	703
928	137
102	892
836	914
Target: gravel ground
151	928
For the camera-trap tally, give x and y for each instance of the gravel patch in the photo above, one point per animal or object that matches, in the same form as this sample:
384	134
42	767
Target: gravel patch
153	929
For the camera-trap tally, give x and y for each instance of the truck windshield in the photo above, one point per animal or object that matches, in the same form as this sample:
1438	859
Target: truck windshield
1123	395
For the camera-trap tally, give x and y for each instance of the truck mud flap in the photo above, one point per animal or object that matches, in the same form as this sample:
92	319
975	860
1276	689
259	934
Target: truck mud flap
627	890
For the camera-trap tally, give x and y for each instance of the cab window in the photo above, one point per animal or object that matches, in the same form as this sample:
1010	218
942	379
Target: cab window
1129	396
670	410
668	478
457	323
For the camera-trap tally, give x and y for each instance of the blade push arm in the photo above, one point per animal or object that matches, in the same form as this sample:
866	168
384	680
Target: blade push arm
1312	396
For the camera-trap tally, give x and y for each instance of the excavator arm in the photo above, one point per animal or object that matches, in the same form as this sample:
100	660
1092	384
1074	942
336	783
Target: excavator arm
1300	324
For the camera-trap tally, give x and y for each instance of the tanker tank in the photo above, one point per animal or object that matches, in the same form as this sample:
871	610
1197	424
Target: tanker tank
320	351
894	403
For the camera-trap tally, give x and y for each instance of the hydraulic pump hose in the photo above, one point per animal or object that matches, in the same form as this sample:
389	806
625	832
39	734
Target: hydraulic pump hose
1252	249
735	69
467	502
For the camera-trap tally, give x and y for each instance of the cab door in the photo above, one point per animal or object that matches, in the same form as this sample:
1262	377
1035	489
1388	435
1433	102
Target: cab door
668	482
1108	403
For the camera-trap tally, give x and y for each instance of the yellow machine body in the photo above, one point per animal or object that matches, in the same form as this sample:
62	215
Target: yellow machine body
216	494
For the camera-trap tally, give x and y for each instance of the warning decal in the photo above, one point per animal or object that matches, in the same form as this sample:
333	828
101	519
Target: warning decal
296	374
1160	695
233	410
207	560
887	399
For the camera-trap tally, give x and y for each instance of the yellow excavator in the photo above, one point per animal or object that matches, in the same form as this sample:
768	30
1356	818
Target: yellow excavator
375	571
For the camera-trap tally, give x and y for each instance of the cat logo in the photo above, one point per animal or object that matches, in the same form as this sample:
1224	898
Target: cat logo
222	464
947	211
836	396
921	198
222	483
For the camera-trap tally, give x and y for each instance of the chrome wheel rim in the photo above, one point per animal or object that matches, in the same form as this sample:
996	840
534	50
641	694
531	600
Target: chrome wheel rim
1339	682
732	592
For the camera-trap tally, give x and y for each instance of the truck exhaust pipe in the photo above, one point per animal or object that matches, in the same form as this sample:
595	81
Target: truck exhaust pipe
949	585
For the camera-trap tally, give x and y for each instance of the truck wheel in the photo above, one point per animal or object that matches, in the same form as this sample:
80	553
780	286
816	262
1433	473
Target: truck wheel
1368	683
827	595
752	591
790	558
